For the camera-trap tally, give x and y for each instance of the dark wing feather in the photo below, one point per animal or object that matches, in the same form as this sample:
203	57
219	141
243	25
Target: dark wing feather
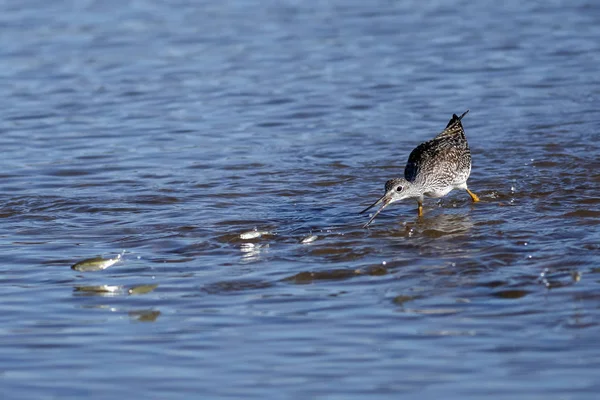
444	148
414	163
440	154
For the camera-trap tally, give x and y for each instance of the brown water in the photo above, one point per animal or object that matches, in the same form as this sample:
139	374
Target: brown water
164	131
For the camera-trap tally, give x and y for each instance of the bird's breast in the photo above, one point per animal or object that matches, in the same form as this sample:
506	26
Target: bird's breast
438	191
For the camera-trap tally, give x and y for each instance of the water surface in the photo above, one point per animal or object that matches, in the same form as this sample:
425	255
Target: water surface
163	130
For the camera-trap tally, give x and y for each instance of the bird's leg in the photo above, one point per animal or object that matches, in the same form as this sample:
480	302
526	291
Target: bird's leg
473	196
420	208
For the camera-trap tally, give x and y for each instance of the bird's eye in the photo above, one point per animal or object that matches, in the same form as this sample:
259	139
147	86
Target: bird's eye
399	189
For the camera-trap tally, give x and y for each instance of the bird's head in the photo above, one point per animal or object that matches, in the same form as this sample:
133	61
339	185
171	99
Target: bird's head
395	189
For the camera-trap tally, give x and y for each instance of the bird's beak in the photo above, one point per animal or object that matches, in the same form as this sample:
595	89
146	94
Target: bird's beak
384	201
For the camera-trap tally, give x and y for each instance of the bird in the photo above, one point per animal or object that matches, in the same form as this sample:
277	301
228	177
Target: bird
434	169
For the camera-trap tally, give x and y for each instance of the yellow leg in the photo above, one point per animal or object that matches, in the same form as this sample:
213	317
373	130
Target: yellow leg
420	209
473	196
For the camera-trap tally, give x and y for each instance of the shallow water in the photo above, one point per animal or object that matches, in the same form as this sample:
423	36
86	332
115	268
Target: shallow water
164	131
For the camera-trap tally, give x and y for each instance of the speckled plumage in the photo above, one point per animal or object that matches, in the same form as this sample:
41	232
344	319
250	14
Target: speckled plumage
441	163
434	168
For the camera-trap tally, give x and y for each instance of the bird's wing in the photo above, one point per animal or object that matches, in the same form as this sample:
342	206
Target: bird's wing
414	163
438	154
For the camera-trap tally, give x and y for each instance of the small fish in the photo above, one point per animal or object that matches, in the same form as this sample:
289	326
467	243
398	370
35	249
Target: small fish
142	289
95	264
253	234
309	239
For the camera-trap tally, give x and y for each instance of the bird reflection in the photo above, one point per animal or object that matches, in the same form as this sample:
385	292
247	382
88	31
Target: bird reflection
435	226
444	225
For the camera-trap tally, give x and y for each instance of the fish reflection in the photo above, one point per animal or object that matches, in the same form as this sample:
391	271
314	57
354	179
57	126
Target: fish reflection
99	290
144	315
252	251
113	290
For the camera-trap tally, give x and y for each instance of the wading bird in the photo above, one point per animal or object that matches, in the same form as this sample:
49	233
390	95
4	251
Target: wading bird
433	169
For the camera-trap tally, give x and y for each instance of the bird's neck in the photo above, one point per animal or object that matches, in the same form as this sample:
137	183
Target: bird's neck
415	190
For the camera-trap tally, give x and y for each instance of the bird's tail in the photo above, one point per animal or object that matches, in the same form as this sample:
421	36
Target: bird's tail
454	126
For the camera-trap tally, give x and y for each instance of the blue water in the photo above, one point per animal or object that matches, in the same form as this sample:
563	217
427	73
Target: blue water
163	130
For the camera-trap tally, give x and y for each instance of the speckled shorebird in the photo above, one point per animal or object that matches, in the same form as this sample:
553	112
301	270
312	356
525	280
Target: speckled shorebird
433	169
